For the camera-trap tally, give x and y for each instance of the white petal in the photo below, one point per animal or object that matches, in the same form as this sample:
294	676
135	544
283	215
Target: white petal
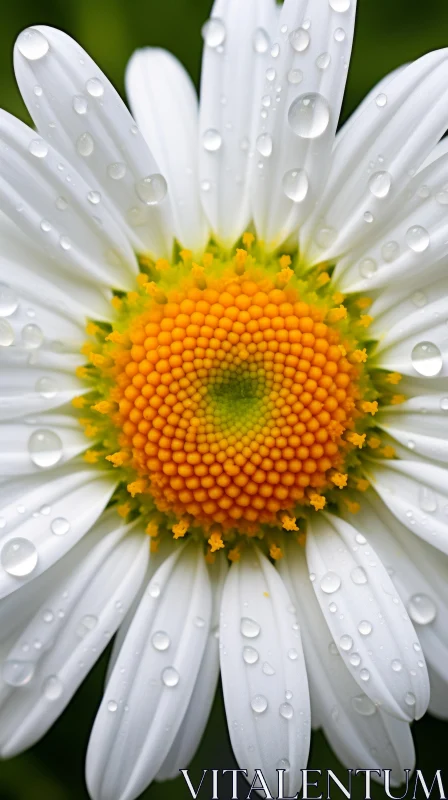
438	705
420	424
46	439
411	494
65	74
361	735
37	507
82	237
190	734
413	108
24	267
231	88
411	242
263	673
140	714
379	88
72	628
165	106
308	35
419	572
370	621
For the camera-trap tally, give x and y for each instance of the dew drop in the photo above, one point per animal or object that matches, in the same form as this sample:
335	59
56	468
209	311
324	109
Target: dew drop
419	299
427	359
396	665
249	628
333	608
160	640
19	557
380	183
85	145
363	705
116	171
8	301
32	336
214	32
199	622
45	448
340	5
250	655
32	44
417	238
61	204
323	61
94	198
260	41
152	189
6	333
60	526
293	654
65	243
38	148
332	648
390	251
154	590
212	140
309	116
112	706
365	628
339	35
17	673
170	677
368	217
283	764
442	197
300	40
295	76
87	624
358	576
410	699
355	659
444	404
367	267
381	100
47	387
422	609
265	145
259	704
286	711
295	185
268	669
364	675
53	688
95	87
271	74
330	583
346	642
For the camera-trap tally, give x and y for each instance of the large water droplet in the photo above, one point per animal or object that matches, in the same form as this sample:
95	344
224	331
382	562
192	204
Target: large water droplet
38	148
87	624
410	699
364	675
214	32
95	87
249	628
32	336
390	251
60	526
212	140
330	583
8	301
112	706
265	145
250	655
295	76
300	40
85	145
363	705
427	499
358	576
367	267
381	100
47	387
116	171
261	41
259	704
160	640
380	183
346	642
340	5
295	185
355	659
17	673
32	44
268	669
396	665
323	61
309	116
170	677
53	688
417	238
427	359
80	104
286	711
6	333
422	609
45	448
19	557
152	189
365	628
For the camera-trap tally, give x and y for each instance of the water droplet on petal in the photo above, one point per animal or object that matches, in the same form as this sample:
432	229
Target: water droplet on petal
17	673
249	628
38	148
365	628
152	189
116	171
444	404
418	238
323	61
214	32
265	145
160	640
95	87
309	116
340	5
32	336
8	301
6	333
300	40
410	699
170	677
293	654
295	76
112	706
346	642
422	609
295	185
381	100
427	359
367	267
396	665
380	183
65	243
283	764
250	655
364	675
363	705
19	557
87	624
358	576
94	198
47	387
339	35
259	704
268	669
286	711
32	44
80	104
60	526
45	448
261	41
355	659
390	251
330	583
85	145
419	299
212	140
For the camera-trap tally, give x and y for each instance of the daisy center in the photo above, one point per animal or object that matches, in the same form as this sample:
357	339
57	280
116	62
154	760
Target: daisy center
231	390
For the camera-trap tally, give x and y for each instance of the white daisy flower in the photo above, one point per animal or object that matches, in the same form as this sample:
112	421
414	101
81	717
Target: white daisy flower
224	340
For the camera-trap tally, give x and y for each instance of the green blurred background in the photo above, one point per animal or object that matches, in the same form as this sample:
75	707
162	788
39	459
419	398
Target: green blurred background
389	33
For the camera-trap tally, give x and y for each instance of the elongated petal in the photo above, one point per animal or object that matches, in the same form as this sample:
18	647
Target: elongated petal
419	424
83	116
72	628
303	93
263	673
361	735
371	627
165	107
43	440
140	715
237	40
